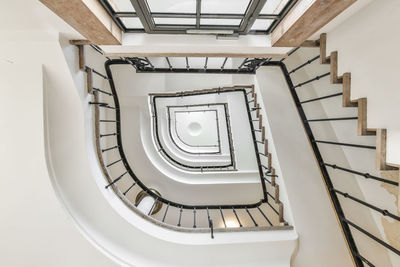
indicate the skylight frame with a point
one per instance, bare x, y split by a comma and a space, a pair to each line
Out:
143, 12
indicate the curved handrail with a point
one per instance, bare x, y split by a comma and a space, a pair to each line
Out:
157, 137
112, 183
120, 148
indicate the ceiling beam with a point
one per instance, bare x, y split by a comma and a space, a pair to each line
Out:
306, 18
88, 18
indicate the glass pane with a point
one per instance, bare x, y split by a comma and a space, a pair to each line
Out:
273, 6
178, 21
121, 5
224, 6
234, 22
132, 23
168, 6
262, 24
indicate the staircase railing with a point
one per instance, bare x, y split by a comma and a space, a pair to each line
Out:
246, 215
334, 192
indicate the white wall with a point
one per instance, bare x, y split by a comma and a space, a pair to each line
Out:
367, 44
358, 159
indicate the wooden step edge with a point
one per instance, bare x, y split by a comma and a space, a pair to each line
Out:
273, 178
323, 59
277, 193
381, 146
333, 58
346, 100
266, 147
89, 80
260, 121
263, 133
258, 110
280, 212
362, 118
255, 100
269, 161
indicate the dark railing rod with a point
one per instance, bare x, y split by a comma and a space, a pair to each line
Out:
108, 121
127, 190
180, 217
334, 119
98, 73
383, 212
248, 102
205, 64
271, 175
365, 175
105, 135
304, 64
262, 154
194, 217
112, 163
148, 61
165, 213
223, 64
98, 103
169, 63
371, 236
237, 218
344, 144
365, 260
101, 104
266, 218
268, 181
210, 224
222, 216
110, 148
320, 98
311, 80
152, 207
260, 142
116, 180
244, 61
251, 217
101, 91
272, 207
265, 60
254, 109
291, 52
265, 167
273, 198
187, 63
257, 130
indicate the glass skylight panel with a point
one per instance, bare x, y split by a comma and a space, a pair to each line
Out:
121, 5
262, 24
230, 22
132, 23
273, 6
224, 6
172, 6
177, 21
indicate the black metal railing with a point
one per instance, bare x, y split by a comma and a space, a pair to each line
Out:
259, 215
169, 157
247, 66
334, 192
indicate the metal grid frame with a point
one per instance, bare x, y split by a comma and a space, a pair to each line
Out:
143, 12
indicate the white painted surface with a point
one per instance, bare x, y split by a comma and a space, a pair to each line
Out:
368, 49
320, 239
358, 159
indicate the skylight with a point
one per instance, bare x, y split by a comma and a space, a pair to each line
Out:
187, 16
